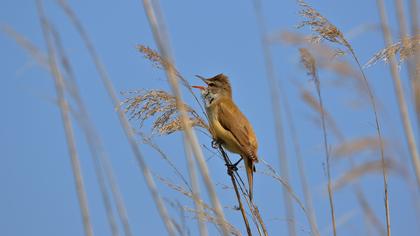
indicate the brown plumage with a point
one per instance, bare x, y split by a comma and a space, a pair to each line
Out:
228, 125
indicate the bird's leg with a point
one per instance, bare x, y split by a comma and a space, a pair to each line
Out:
215, 144
236, 163
233, 167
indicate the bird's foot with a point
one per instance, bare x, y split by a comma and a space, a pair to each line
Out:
231, 168
215, 144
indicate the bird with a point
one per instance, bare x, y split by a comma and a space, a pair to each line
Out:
228, 125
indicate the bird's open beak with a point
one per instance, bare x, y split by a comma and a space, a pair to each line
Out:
200, 87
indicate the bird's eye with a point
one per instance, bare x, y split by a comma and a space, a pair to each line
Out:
211, 84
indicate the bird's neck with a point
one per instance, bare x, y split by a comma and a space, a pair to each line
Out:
210, 99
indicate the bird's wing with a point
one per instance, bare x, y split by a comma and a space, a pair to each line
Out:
232, 119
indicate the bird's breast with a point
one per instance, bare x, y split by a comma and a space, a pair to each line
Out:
220, 133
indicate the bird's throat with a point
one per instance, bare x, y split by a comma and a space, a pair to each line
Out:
209, 98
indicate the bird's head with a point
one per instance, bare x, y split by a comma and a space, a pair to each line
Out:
217, 86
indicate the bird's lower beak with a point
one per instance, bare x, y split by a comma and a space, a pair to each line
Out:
199, 87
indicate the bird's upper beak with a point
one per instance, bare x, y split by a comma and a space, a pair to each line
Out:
203, 79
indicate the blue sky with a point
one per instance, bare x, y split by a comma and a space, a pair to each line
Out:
38, 195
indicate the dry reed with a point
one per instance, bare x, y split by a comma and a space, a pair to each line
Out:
399, 92
415, 73
309, 63
320, 25
366, 168
346, 148
194, 188
32, 50
325, 30
161, 38
170, 115
404, 49
301, 167
312, 102
328, 58
271, 172
355, 146
196, 191
121, 116
93, 140
369, 213
65, 115
160, 63
274, 87
208, 214
411, 64
142, 105
96, 148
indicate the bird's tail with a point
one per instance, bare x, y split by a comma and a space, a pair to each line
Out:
250, 168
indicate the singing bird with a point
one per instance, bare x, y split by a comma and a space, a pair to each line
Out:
228, 126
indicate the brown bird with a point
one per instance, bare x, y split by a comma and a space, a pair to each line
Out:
228, 126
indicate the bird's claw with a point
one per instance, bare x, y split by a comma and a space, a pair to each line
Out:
215, 144
231, 168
